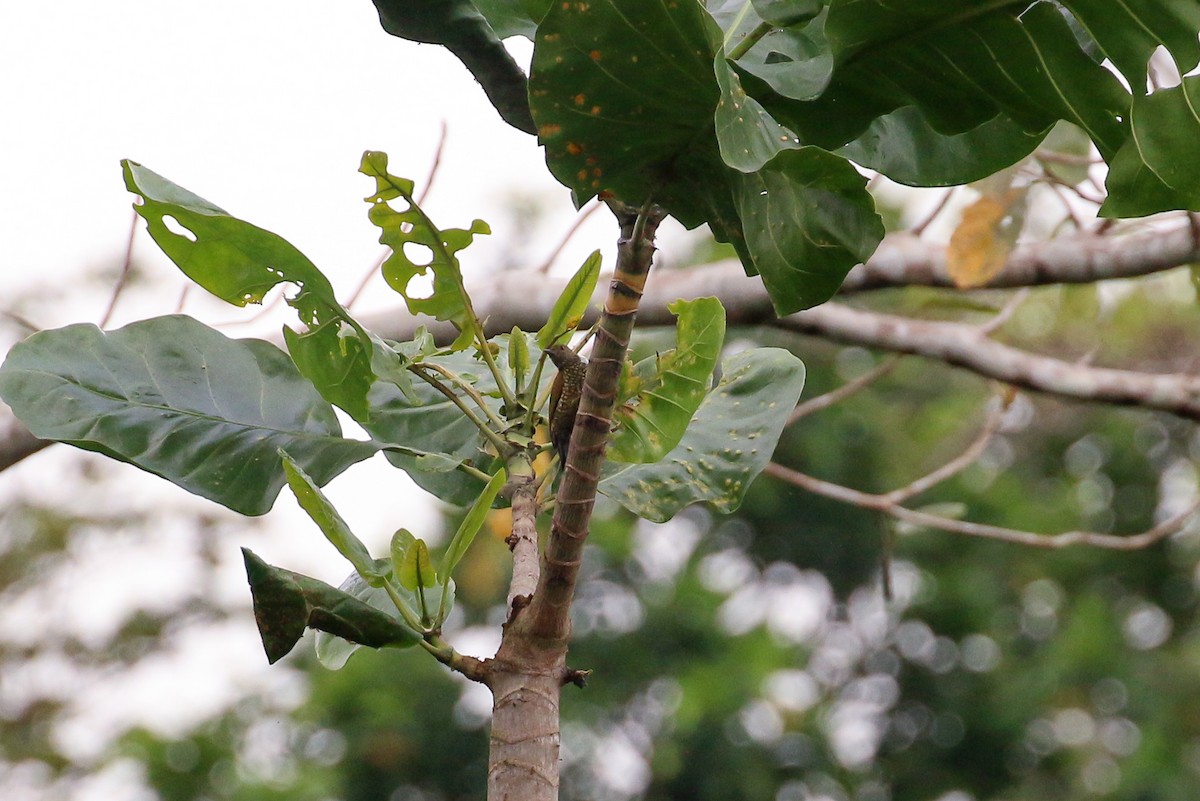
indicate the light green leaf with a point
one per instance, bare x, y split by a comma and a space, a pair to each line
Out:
652, 423
518, 356
728, 443
571, 304
748, 136
418, 248
327, 518
416, 570
471, 524
180, 400
333, 651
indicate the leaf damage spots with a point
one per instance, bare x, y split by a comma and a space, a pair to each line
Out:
595, 55
550, 130
580, 99
575, 149
595, 111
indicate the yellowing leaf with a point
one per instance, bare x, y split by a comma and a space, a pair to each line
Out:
980, 245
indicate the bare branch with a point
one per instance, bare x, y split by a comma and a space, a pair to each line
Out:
880, 503
844, 391
123, 278
966, 346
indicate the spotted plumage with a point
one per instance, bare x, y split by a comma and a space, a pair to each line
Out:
564, 396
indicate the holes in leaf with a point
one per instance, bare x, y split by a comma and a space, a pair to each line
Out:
176, 227
418, 254
419, 287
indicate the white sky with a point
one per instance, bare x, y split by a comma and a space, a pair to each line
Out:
263, 108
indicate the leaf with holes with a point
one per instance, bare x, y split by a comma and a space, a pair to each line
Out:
239, 263
408, 232
180, 400
728, 443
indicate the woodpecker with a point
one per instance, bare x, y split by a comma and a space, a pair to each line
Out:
564, 396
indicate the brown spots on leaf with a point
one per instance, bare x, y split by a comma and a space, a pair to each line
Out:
574, 149
595, 111
596, 171
581, 176
595, 55
549, 130
580, 99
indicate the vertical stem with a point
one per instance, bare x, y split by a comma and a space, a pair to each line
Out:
530, 667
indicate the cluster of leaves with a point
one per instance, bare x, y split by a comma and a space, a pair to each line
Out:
746, 114
234, 420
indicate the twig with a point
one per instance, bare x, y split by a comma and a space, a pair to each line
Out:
865, 500
123, 278
844, 391
920, 227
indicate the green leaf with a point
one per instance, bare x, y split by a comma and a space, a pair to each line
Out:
427, 421
620, 92
180, 400
1157, 169
333, 651
410, 230
459, 26
416, 570
787, 12
571, 304
748, 136
728, 443
903, 146
471, 524
518, 355
285, 603
1129, 32
239, 263
808, 219
653, 422
795, 60
402, 540
323, 513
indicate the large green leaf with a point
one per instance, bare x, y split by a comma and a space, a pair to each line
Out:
1158, 169
240, 262
808, 219
469, 34
286, 603
672, 385
428, 421
1129, 31
961, 62
178, 399
747, 135
728, 443
409, 231
904, 147
620, 91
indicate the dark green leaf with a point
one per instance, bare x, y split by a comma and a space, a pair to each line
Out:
285, 603
620, 91
333, 651
1129, 32
808, 219
459, 26
728, 443
178, 399
653, 422
903, 146
787, 12
428, 421
1157, 169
